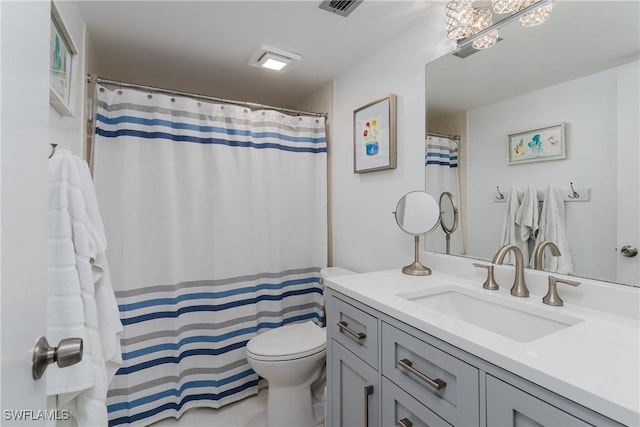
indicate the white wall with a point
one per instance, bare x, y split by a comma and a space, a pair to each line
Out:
24, 86
589, 107
365, 234
68, 132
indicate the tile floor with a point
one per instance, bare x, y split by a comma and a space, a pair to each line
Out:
250, 412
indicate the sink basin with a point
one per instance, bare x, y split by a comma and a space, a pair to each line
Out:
520, 323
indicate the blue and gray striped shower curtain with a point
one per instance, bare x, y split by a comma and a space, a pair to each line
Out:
441, 174
215, 217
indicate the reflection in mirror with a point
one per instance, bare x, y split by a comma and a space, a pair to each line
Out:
441, 166
579, 68
448, 217
417, 213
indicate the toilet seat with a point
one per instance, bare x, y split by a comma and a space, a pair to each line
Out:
288, 342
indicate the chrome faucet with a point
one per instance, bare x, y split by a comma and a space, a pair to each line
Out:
519, 288
539, 251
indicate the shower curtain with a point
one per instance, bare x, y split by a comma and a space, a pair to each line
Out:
215, 217
441, 165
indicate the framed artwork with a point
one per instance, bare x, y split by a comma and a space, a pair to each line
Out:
62, 52
547, 143
374, 136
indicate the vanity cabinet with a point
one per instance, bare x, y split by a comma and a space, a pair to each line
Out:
509, 406
356, 395
445, 384
383, 372
354, 362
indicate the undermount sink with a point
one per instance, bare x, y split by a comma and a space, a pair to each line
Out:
520, 323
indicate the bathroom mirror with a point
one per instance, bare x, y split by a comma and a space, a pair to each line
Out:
417, 213
448, 217
579, 68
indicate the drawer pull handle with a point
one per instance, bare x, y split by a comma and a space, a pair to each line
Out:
438, 384
368, 391
404, 423
344, 327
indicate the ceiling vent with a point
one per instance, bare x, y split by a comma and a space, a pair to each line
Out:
341, 7
468, 50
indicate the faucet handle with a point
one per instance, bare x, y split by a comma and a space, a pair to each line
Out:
552, 297
490, 283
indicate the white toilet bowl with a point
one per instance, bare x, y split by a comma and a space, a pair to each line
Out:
291, 358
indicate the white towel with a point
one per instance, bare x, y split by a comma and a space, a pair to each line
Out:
81, 301
511, 233
527, 218
553, 227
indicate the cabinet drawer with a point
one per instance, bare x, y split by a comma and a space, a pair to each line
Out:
401, 410
443, 383
355, 329
511, 407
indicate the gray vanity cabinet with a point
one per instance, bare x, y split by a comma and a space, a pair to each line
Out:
355, 394
400, 409
383, 372
440, 381
509, 406
356, 390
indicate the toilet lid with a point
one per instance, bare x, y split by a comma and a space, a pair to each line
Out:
289, 342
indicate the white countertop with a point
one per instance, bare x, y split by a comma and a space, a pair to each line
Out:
595, 362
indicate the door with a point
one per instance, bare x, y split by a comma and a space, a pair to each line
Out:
24, 148
355, 390
628, 267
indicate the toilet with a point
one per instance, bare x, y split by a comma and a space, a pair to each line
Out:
291, 358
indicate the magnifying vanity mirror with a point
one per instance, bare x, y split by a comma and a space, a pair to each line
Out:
448, 217
580, 68
417, 213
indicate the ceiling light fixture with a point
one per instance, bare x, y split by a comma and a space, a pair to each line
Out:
471, 25
273, 58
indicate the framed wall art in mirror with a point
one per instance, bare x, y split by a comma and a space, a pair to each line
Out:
374, 136
547, 143
62, 53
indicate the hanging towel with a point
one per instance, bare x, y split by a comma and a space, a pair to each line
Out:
81, 302
527, 218
511, 233
553, 227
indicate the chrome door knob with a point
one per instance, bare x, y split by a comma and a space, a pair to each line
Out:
69, 352
628, 250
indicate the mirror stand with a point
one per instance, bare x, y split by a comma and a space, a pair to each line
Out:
415, 268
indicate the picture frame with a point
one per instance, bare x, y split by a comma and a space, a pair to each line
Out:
537, 145
374, 136
62, 52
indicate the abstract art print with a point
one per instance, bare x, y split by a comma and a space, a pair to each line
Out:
547, 143
61, 55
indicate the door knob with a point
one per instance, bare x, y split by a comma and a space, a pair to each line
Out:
68, 352
628, 250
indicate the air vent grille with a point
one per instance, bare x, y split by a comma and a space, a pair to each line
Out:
340, 7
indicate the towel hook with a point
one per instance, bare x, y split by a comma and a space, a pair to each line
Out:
500, 196
574, 194
53, 149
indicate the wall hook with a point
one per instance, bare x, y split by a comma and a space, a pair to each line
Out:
574, 194
53, 149
500, 196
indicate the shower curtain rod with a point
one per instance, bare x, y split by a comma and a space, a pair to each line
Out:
100, 80
442, 135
